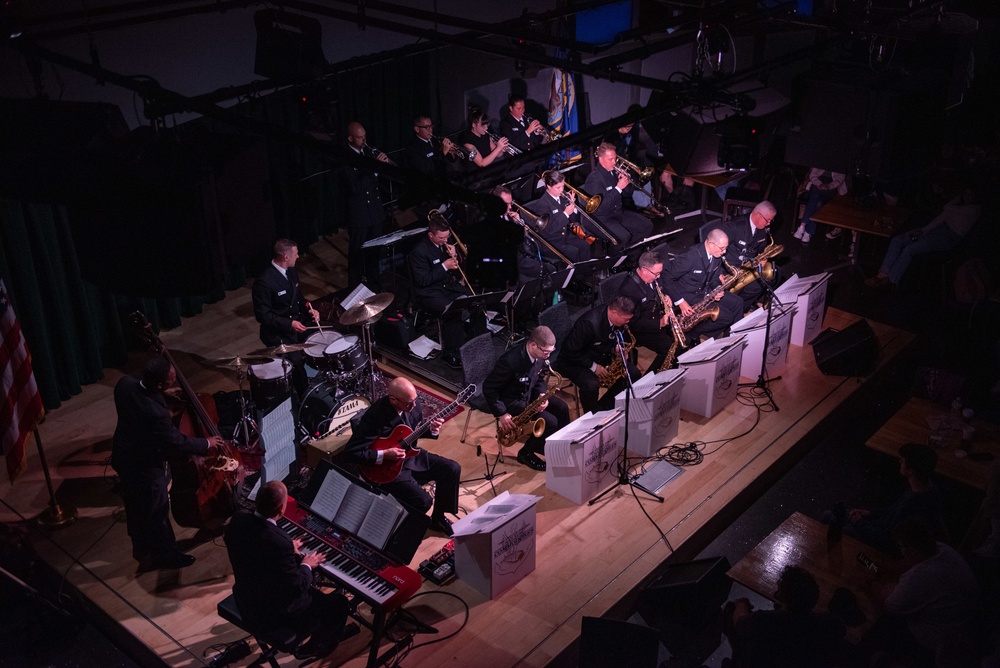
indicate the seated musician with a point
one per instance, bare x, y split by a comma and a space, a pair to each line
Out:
633, 143
422, 154
400, 407
517, 379
605, 180
591, 348
748, 237
477, 140
144, 438
531, 264
650, 324
274, 579
563, 214
280, 307
691, 277
436, 283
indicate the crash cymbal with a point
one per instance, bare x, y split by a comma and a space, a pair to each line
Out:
281, 349
365, 310
241, 360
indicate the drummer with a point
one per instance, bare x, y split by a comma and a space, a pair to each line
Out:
280, 308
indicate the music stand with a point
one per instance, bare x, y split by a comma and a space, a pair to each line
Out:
762, 380
524, 292
481, 301
389, 241
651, 240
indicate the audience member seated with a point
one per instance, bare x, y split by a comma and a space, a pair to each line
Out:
942, 234
792, 635
821, 186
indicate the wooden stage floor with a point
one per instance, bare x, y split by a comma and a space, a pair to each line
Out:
591, 559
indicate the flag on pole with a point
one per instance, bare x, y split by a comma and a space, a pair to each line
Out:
562, 111
20, 403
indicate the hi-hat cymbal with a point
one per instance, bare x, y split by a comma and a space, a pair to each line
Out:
241, 360
366, 309
281, 349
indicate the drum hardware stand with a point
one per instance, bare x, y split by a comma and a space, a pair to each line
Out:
246, 426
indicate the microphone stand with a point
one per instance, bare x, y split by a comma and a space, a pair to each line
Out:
762, 380
623, 477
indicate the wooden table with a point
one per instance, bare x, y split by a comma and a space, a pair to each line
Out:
910, 425
707, 182
801, 541
881, 220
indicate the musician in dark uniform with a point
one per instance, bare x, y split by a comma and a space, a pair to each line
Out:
748, 237
649, 324
365, 212
524, 135
144, 438
400, 407
274, 580
421, 154
691, 276
280, 307
436, 284
627, 226
562, 212
590, 348
634, 143
517, 379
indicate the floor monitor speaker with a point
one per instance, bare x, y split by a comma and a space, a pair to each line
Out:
852, 351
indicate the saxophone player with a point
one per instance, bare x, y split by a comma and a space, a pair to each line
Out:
650, 324
748, 237
693, 275
591, 347
519, 378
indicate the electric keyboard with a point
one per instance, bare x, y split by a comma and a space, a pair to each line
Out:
351, 562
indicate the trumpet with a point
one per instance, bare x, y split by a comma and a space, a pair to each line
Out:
376, 153
591, 204
550, 134
510, 149
527, 228
456, 150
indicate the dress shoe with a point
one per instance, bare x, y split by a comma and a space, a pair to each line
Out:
442, 524
531, 460
877, 282
174, 560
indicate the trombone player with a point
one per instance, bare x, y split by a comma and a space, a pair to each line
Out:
611, 184
562, 213
517, 381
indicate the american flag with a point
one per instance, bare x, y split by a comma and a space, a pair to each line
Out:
20, 403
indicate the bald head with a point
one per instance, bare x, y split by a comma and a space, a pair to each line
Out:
402, 394
356, 135
271, 498
716, 243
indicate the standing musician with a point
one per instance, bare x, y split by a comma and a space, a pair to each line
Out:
436, 285
650, 324
627, 226
562, 212
274, 580
477, 139
590, 349
400, 406
365, 213
748, 237
144, 438
420, 155
517, 379
524, 135
279, 307
691, 276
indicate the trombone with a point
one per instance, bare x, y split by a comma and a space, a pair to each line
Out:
644, 175
590, 204
527, 228
376, 153
452, 252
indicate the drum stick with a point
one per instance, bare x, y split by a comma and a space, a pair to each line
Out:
318, 326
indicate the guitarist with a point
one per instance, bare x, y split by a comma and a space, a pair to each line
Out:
400, 407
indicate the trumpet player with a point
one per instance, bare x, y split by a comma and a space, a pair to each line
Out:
562, 213
434, 269
650, 324
524, 135
519, 378
421, 155
605, 180
748, 237
476, 139
365, 213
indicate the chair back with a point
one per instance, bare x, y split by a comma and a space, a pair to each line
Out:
478, 356
556, 318
610, 287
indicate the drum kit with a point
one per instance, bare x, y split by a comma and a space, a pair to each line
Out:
346, 383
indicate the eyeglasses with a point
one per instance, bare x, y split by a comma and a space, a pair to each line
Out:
424, 127
721, 248
409, 403
652, 273
545, 351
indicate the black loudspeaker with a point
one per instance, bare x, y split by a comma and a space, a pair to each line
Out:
289, 46
852, 351
687, 594
609, 643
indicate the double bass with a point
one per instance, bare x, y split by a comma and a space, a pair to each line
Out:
204, 489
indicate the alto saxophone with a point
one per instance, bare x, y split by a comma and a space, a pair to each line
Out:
616, 369
749, 271
508, 437
675, 326
707, 308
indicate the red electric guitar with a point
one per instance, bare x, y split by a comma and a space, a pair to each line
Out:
406, 438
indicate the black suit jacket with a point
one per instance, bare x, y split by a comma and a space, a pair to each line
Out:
591, 341
277, 301
691, 275
602, 182
516, 135
745, 241
362, 197
555, 230
377, 422
648, 307
514, 381
272, 586
424, 157
145, 435
430, 278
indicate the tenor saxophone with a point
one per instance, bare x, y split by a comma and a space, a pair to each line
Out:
507, 438
616, 369
707, 307
749, 271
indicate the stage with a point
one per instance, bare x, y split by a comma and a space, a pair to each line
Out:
591, 560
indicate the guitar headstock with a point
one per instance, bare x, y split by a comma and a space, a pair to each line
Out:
466, 394
144, 329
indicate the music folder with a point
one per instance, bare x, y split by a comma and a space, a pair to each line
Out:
713, 374
580, 457
809, 294
654, 412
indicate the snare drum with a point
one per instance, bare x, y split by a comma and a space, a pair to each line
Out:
269, 384
346, 356
326, 410
317, 344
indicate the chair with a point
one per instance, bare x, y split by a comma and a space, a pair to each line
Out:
739, 202
610, 287
270, 645
556, 318
478, 356
418, 311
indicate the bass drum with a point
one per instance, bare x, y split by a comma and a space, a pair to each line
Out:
326, 409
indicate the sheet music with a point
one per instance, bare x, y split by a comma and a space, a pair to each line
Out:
330, 495
379, 522
357, 294
423, 347
353, 510
370, 516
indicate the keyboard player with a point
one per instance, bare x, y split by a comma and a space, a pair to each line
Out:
273, 579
